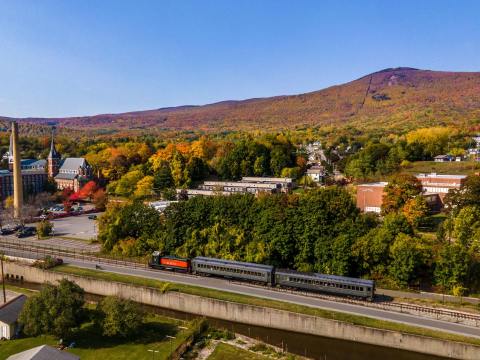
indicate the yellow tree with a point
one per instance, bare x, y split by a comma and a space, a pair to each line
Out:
144, 187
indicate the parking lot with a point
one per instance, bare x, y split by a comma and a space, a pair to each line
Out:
78, 227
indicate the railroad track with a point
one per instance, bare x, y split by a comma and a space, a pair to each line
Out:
16, 245
439, 314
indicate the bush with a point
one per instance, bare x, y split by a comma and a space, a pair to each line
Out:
119, 317
47, 263
44, 228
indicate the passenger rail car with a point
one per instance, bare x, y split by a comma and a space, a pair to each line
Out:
267, 275
233, 269
338, 285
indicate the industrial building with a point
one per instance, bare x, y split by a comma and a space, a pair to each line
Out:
434, 186
248, 185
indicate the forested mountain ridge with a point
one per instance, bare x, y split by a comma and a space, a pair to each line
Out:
400, 98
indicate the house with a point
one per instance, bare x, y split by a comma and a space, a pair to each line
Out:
444, 158
9, 313
316, 173
44, 352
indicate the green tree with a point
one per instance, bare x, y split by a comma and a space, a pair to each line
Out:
55, 310
128, 182
119, 317
132, 220
408, 257
452, 266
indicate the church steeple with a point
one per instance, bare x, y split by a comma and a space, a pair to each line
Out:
54, 157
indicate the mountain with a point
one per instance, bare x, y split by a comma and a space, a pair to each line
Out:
399, 98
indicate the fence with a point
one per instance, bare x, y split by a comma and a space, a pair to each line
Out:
40, 251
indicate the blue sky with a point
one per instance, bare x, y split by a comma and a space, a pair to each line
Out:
84, 57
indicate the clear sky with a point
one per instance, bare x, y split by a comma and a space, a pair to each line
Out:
84, 57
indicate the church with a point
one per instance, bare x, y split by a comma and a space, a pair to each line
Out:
69, 172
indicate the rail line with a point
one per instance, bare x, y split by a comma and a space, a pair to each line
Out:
17, 245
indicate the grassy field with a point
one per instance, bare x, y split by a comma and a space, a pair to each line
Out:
91, 345
452, 167
245, 299
229, 352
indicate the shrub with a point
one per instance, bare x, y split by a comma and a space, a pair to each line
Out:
44, 228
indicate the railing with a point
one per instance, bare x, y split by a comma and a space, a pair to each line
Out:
40, 251
457, 316
16, 247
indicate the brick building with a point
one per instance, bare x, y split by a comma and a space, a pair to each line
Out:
370, 196
440, 184
434, 187
68, 173
33, 182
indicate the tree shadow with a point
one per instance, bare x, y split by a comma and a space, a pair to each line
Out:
90, 336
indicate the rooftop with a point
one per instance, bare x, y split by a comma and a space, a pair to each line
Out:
72, 164
441, 176
10, 311
379, 184
43, 352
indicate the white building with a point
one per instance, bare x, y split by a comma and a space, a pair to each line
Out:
160, 206
9, 313
316, 173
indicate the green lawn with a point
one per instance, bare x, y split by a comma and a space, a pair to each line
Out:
245, 299
229, 352
453, 167
91, 345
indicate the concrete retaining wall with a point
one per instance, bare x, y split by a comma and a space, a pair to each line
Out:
254, 315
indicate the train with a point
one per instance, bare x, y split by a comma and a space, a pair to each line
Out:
267, 275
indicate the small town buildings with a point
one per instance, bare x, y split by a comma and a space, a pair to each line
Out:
67, 173
248, 185
160, 206
287, 184
241, 186
9, 313
444, 158
370, 196
44, 352
316, 173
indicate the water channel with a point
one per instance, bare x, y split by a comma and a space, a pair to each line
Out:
316, 347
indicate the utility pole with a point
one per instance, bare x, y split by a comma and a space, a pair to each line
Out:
3, 280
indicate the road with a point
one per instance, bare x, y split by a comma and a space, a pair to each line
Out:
245, 289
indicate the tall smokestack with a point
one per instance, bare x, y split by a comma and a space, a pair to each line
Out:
17, 174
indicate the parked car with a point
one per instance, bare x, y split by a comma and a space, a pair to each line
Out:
26, 232
6, 231
92, 217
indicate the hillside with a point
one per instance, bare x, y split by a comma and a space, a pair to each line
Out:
392, 98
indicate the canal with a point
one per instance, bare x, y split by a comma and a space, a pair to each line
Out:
315, 347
